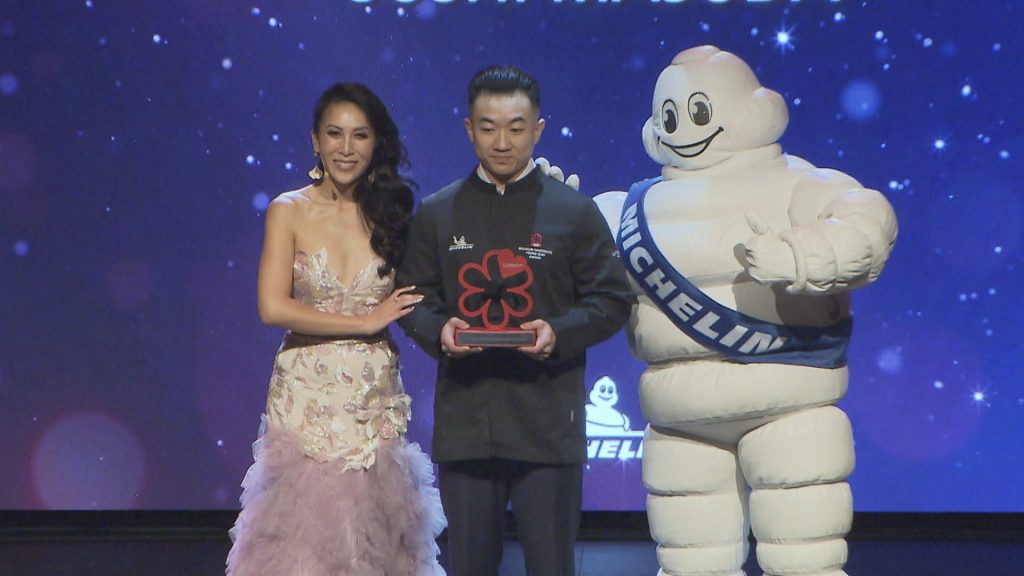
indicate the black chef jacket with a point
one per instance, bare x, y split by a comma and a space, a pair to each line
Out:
500, 403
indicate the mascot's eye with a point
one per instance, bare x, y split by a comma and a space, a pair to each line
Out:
699, 108
669, 116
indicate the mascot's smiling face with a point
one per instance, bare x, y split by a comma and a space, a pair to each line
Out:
708, 105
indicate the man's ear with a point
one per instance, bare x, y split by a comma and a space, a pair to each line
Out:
469, 128
538, 130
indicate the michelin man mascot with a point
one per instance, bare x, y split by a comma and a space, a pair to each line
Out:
743, 258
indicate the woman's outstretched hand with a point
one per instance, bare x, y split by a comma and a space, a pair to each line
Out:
397, 304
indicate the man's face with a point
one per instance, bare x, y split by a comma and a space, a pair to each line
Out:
503, 128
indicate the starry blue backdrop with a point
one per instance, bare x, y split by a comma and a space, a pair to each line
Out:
141, 142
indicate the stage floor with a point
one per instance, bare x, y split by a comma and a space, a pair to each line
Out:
201, 557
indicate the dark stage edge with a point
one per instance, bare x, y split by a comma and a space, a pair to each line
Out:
70, 525
196, 543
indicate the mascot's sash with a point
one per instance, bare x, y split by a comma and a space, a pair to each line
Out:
733, 334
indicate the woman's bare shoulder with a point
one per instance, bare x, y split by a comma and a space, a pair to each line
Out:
292, 198
289, 204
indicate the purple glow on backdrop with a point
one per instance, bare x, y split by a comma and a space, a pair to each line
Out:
18, 163
935, 402
130, 284
131, 220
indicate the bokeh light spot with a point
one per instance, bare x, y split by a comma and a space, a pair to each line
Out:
8, 83
426, 10
88, 461
860, 100
890, 360
260, 201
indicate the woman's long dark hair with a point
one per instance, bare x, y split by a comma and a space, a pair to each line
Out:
385, 202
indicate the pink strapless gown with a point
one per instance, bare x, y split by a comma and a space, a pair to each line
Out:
335, 488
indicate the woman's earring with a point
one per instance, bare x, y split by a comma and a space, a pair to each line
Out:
372, 176
317, 173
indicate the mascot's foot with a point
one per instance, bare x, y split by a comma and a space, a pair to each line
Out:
662, 572
831, 573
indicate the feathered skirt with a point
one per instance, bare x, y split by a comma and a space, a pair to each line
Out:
301, 517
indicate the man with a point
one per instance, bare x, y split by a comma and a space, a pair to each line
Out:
509, 422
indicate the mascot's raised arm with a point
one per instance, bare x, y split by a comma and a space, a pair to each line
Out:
743, 258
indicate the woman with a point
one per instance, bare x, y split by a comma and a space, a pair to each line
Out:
335, 488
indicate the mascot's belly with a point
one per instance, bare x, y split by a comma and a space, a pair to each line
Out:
703, 233
707, 390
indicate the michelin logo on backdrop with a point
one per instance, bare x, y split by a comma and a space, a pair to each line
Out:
609, 436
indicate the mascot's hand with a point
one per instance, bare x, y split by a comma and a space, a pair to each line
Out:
769, 259
573, 181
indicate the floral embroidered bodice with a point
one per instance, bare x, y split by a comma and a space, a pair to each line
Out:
341, 395
315, 284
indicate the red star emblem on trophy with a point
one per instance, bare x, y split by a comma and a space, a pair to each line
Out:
496, 292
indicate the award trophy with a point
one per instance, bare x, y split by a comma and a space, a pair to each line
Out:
496, 291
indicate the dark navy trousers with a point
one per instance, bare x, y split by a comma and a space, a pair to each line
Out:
546, 501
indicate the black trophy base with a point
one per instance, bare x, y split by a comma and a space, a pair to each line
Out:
504, 338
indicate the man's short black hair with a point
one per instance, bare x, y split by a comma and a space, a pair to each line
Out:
504, 80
